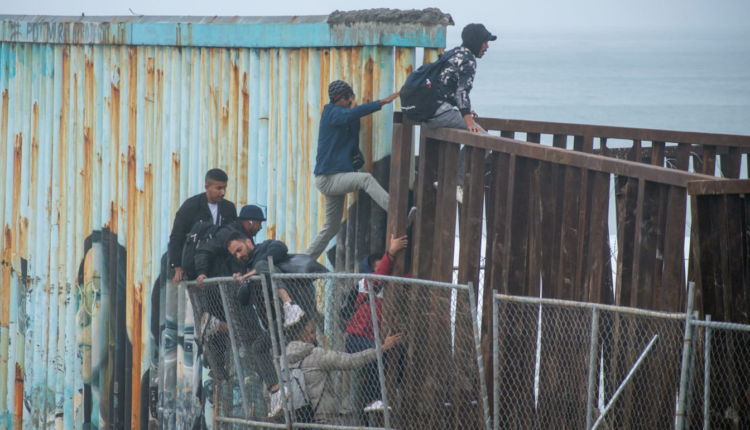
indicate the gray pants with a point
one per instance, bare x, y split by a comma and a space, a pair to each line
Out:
335, 187
448, 117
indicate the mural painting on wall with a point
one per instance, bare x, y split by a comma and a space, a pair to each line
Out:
104, 348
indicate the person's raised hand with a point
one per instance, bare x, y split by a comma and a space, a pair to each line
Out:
397, 244
389, 98
391, 340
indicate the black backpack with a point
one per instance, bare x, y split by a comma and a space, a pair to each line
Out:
202, 232
419, 95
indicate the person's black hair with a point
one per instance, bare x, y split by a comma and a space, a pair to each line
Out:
297, 330
216, 175
372, 258
235, 235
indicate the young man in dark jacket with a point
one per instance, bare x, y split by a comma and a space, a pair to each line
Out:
209, 206
339, 158
211, 257
455, 81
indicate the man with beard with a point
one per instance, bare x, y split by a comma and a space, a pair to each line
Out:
252, 259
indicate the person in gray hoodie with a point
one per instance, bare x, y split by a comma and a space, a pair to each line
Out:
317, 363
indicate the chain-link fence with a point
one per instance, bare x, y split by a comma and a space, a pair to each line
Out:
719, 370
360, 351
572, 365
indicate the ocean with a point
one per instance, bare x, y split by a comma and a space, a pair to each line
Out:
673, 81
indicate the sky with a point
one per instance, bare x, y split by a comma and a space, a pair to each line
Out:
500, 16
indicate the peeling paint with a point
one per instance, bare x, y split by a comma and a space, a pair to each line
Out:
100, 145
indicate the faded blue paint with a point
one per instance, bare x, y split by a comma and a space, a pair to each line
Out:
190, 117
236, 32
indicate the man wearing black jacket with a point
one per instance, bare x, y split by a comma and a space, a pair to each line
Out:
211, 258
209, 206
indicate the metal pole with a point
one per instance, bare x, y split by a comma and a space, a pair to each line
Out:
235, 350
687, 345
379, 352
275, 345
625, 382
593, 356
691, 373
496, 362
480, 363
286, 378
707, 377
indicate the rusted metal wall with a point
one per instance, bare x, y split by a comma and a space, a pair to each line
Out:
107, 125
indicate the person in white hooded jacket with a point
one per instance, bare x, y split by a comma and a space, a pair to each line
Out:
317, 363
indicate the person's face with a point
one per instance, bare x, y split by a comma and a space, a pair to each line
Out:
309, 333
484, 48
241, 250
346, 101
254, 226
215, 191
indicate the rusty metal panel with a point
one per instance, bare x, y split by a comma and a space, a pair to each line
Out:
107, 125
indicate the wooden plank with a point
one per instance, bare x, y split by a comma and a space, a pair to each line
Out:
533, 276
518, 237
626, 194
584, 144
569, 234
496, 260
565, 157
738, 186
731, 163
673, 274
709, 160
398, 188
420, 381
552, 179
584, 215
616, 132
732, 262
473, 206
682, 162
657, 153
533, 137
644, 257
597, 235
746, 258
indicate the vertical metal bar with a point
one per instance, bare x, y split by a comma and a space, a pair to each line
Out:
593, 357
235, 350
707, 377
379, 351
282, 344
496, 361
625, 382
691, 377
680, 417
275, 343
480, 362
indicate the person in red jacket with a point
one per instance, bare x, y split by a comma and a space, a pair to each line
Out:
360, 334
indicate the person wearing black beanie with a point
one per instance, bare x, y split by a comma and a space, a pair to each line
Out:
454, 83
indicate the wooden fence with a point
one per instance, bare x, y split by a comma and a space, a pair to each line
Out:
545, 210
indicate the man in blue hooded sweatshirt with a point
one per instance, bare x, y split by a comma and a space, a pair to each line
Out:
339, 159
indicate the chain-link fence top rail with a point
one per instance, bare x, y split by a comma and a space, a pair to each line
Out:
547, 375
428, 380
720, 383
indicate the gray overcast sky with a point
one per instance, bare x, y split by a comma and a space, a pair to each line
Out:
500, 16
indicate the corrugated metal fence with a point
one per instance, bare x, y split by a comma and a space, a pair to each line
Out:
107, 125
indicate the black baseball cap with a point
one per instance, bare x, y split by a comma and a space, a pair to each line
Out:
477, 32
251, 212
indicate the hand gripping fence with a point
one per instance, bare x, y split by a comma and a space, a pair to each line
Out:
358, 375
